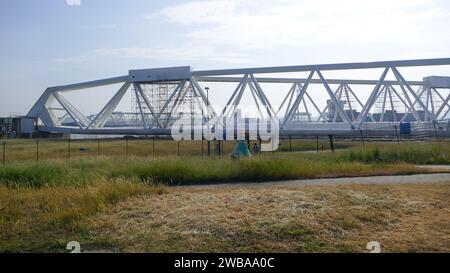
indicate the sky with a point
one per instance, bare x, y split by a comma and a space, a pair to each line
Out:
56, 42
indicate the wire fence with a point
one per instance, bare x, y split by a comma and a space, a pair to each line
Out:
14, 150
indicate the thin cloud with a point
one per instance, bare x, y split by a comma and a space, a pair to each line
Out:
262, 24
181, 53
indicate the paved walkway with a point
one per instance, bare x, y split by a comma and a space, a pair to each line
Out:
392, 179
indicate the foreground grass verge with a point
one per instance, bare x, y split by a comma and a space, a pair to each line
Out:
403, 218
43, 205
45, 219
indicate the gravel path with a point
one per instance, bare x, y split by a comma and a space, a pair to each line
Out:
393, 179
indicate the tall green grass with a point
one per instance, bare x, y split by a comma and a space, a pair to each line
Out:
192, 170
196, 171
407, 153
178, 171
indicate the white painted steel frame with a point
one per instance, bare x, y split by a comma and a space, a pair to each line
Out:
296, 96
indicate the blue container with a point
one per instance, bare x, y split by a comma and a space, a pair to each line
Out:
405, 128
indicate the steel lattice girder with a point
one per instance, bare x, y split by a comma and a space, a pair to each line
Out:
187, 81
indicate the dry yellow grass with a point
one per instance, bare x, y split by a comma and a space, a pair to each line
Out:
45, 219
339, 218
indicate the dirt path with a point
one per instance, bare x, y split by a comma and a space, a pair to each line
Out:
393, 179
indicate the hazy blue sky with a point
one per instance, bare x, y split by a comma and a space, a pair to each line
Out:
49, 42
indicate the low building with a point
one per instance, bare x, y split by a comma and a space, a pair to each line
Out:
17, 126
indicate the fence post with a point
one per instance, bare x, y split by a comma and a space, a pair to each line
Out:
37, 149
396, 134
4, 152
317, 143
68, 147
290, 144
209, 148
331, 143
153, 147
435, 131
362, 138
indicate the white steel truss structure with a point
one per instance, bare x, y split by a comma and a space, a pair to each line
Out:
389, 102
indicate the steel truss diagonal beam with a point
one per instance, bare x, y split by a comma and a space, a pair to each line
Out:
254, 95
106, 112
204, 98
288, 118
82, 118
445, 103
371, 100
314, 104
392, 103
337, 103
322, 113
358, 100
138, 88
71, 110
402, 83
178, 89
263, 98
141, 111
232, 101
196, 94
385, 96
289, 96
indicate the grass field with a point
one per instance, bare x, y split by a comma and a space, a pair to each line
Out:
95, 200
19, 150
